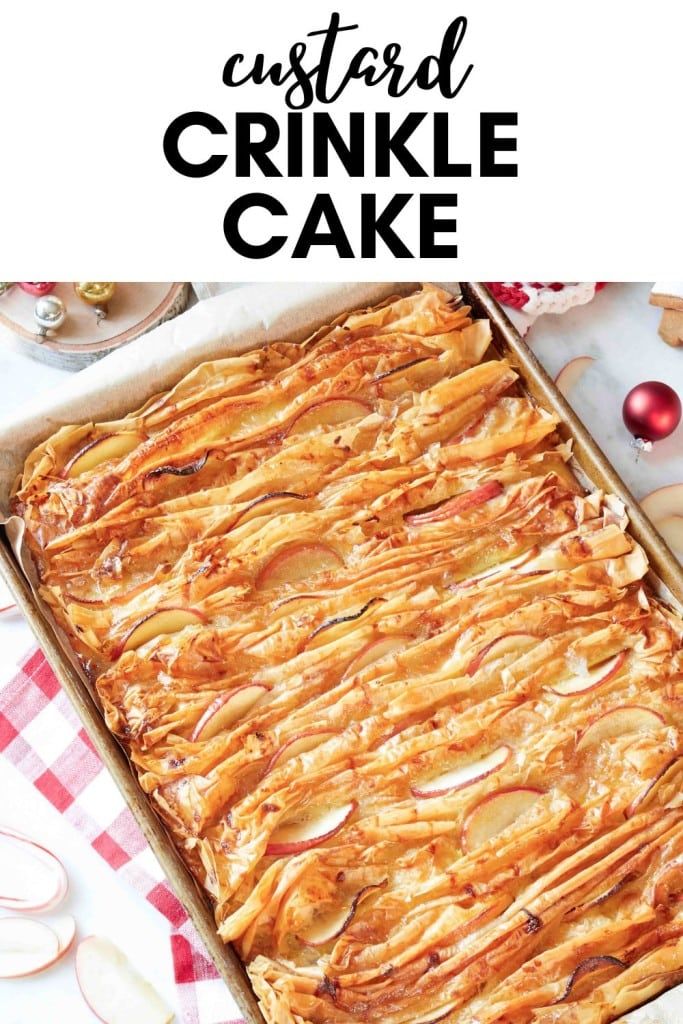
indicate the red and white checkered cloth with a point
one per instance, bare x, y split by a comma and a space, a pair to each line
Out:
40, 734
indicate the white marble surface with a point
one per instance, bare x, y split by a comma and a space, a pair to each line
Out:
619, 329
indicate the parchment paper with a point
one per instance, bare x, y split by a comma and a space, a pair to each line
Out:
225, 325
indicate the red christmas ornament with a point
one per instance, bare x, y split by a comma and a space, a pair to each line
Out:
37, 288
652, 411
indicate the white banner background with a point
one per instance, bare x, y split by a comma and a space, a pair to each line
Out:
88, 91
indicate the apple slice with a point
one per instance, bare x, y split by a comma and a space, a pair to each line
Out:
296, 836
102, 449
463, 775
225, 710
330, 926
376, 649
572, 372
506, 643
329, 413
495, 813
595, 677
27, 947
457, 505
619, 721
651, 787
495, 570
591, 965
113, 989
667, 888
664, 502
299, 745
31, 878
165, 620
671, 529
297, 562
64, 928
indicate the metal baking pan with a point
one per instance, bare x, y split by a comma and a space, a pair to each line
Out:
592, 465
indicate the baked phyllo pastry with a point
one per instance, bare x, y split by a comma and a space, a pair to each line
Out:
392, 679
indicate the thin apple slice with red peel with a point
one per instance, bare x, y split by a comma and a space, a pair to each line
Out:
27, 946
629, 718
300, 745
376, 649
163, 621
667, 886
297, 562
671, 529
457, 505
330, 926
495, 813
595, 677
113, 989
572, 372
227, 709
496, 570
297, 836
102, 449
507, 643
648, 792
464, 775
32, 879
663, 502
64, 928
591, 965
331, 412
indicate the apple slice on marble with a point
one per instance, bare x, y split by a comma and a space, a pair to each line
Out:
227, 709
103, 449
495, 813
464, 775
32, 878
113, 989
297, 562
619, 721
296, 836
572, 372
663, 502
27, 946
671, 529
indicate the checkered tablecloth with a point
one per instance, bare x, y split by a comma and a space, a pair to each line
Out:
40, 735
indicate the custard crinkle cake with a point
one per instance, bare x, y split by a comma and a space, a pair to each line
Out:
392, 680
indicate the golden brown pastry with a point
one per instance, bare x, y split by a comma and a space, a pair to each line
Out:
392, 680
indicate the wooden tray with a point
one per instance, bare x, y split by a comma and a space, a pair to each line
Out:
135, 309
592, 464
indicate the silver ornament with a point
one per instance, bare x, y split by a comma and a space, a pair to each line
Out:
49, 314
5, 286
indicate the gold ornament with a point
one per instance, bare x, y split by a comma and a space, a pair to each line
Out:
96, 294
